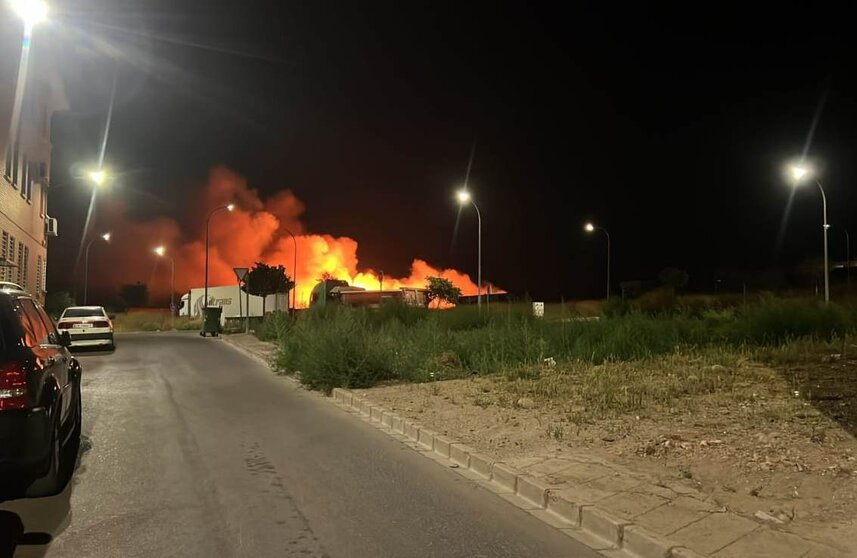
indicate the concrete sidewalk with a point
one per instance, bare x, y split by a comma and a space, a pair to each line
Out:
620, 513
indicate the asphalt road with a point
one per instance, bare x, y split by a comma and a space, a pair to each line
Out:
193, 449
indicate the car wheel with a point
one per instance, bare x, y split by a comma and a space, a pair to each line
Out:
51, 483
72, 448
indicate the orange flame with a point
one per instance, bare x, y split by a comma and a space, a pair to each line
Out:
258, 230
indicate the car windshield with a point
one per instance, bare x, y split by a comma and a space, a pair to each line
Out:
83, 313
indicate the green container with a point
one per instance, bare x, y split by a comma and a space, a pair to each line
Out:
211, 322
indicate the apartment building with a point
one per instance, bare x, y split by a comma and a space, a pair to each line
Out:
25, 226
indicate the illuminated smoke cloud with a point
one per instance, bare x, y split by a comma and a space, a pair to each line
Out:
255, 231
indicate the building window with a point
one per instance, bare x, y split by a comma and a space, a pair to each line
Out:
16, 151
26, 187
8, 169
43, 199
23, 253
10, 258
5, 259
39, 274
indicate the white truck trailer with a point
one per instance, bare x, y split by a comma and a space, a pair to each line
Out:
234, 302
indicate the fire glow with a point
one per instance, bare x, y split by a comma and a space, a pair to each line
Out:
255, 231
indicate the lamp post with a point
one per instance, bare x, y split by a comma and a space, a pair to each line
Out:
106, 238
590, 228
294, 273
31, 13
228, 207
800, 173
161, 251
847, 257
464, 197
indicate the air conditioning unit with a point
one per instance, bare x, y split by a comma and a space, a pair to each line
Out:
50, 226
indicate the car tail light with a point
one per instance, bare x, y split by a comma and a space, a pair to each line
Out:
13, 386
101, 324
66, 325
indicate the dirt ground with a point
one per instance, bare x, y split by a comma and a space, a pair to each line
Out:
778, 440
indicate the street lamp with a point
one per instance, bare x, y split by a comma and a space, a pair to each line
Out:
97, 177
30, 11
106, 238
590, 228
800, 173
227, 207
847, 257
294, 273
464, 197
161, 251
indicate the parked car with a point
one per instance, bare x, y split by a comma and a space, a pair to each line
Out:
40, 401
88, 326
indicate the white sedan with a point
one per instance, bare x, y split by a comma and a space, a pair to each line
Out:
88, 326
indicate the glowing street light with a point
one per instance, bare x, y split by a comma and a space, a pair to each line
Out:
228, 207
97, 177
106, 238
464, 197
161, 251
800, 174
31, 12
590, 228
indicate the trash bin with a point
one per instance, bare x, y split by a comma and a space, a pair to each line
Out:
211, 322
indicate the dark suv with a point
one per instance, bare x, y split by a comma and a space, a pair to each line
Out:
40, 405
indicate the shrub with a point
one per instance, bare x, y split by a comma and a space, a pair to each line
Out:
333, 346
274, 326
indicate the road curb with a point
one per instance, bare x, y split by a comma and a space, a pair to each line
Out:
587, 523
555, 506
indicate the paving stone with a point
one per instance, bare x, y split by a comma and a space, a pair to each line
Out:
583, 494
579, 472
629, 505
647, 488
766, 543
713, 532
819, 551
550, 466
523, 463
674, 515
615, 483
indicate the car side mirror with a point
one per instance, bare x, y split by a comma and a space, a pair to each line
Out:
65, 339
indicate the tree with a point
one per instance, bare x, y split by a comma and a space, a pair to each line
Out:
441, 289
673, 277
56, 302
134, 296
264, 280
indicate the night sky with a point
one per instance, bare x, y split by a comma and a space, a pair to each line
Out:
668, 128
